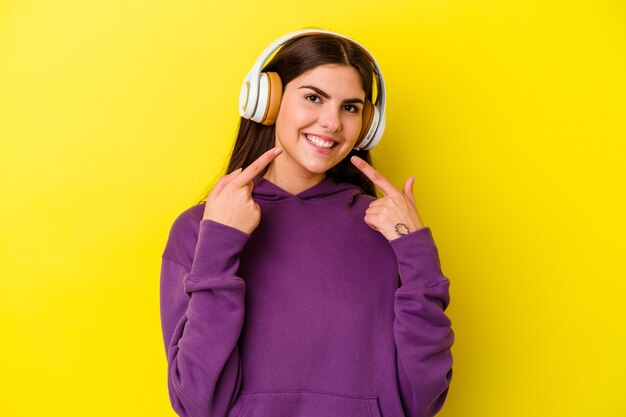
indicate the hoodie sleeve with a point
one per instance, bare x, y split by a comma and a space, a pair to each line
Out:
202, 314
422, 331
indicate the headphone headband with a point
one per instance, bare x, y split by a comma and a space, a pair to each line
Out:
251, 87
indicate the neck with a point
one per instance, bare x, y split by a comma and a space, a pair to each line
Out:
292, 182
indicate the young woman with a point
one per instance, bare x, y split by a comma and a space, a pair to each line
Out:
294, 291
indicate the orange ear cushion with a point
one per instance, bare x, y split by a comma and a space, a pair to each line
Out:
368, 116
275, 96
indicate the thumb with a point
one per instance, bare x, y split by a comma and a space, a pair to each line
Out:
408, 189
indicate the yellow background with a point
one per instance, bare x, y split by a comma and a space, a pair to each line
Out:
116, 115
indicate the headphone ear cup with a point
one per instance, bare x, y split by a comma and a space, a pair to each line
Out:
366, 125
275, 95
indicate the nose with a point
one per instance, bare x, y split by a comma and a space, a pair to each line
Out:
329, 119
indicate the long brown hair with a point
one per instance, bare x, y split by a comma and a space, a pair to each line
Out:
296, 57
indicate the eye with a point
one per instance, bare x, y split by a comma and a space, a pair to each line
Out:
351, 108
312, 98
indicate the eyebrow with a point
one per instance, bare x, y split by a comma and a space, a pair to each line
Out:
325, 95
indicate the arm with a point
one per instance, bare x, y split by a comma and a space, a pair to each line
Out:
202, 314
422, 331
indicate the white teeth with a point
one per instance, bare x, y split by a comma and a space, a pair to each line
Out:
319, 141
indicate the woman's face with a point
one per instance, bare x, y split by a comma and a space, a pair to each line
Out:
319, 121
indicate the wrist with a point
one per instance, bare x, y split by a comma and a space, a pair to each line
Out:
402, 229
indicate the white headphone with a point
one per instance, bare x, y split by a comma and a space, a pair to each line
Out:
261, 93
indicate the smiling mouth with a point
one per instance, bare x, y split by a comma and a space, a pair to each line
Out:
319, 142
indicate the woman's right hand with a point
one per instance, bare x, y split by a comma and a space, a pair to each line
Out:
230, 202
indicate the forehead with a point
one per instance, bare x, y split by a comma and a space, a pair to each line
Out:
337, 79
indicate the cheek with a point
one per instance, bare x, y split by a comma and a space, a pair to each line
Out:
355, 128
293, 115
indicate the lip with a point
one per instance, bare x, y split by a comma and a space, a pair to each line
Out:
324, 151
325, 137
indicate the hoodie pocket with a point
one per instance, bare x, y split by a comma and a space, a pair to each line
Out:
306, 404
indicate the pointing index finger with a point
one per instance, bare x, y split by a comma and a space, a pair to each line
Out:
377, 178
245, 176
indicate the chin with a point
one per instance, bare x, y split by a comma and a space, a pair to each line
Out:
318, 170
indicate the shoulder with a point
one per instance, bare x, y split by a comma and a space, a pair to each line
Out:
183, 235
362, 201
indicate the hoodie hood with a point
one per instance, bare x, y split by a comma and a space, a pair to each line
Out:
266, 190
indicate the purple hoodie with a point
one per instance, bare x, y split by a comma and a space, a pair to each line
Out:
314, 314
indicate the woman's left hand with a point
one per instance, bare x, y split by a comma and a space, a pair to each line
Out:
391, 213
